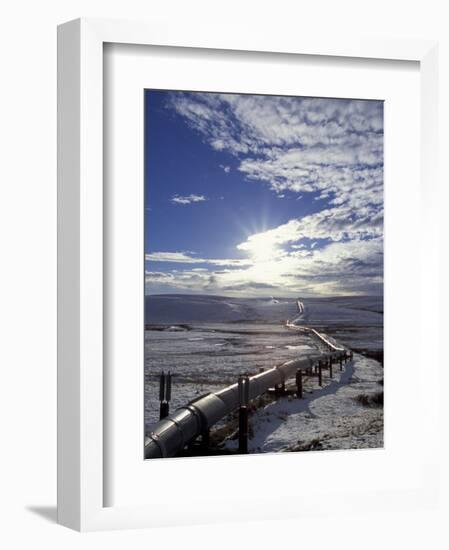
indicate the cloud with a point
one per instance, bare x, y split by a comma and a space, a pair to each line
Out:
248, 287
158, 276
329, 148
188, 258
177, 199
338, 268
334, 224
263, 122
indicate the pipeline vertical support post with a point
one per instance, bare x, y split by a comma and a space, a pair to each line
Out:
163, 405
168, 387
341, 362
164, 394
320, 373
243, 389
330, 368
161, 386
163, 410
299, 388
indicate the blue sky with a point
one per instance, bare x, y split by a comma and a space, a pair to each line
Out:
261, 195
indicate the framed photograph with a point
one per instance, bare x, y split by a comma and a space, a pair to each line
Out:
246, 259
263, 273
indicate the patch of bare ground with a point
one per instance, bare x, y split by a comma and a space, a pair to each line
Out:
353, 434
371, 400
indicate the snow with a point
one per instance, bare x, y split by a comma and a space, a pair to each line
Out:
327, 418
178, 308
207, 341
339, 311
209, 357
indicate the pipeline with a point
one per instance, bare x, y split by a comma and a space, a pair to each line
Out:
307, 330
173, 433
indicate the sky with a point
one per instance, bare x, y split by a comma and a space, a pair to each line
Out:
252, 195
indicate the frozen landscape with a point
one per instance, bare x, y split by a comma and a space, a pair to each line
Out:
207, 341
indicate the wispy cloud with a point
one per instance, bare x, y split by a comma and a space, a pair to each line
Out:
177, 199
334, 147
189, 258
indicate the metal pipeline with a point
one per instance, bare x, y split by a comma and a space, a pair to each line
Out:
325, 340
170, 435
318, 335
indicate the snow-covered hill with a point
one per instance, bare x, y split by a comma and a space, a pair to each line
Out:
178, 308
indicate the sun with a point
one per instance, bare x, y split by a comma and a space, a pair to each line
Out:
262, 250
261, 247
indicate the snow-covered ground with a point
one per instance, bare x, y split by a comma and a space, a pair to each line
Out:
209, 357
178, 308
207, 341
330, 417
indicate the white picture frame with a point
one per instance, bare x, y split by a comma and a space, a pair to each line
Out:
81, 387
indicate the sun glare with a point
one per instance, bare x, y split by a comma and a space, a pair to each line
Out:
259, 247
261, 251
